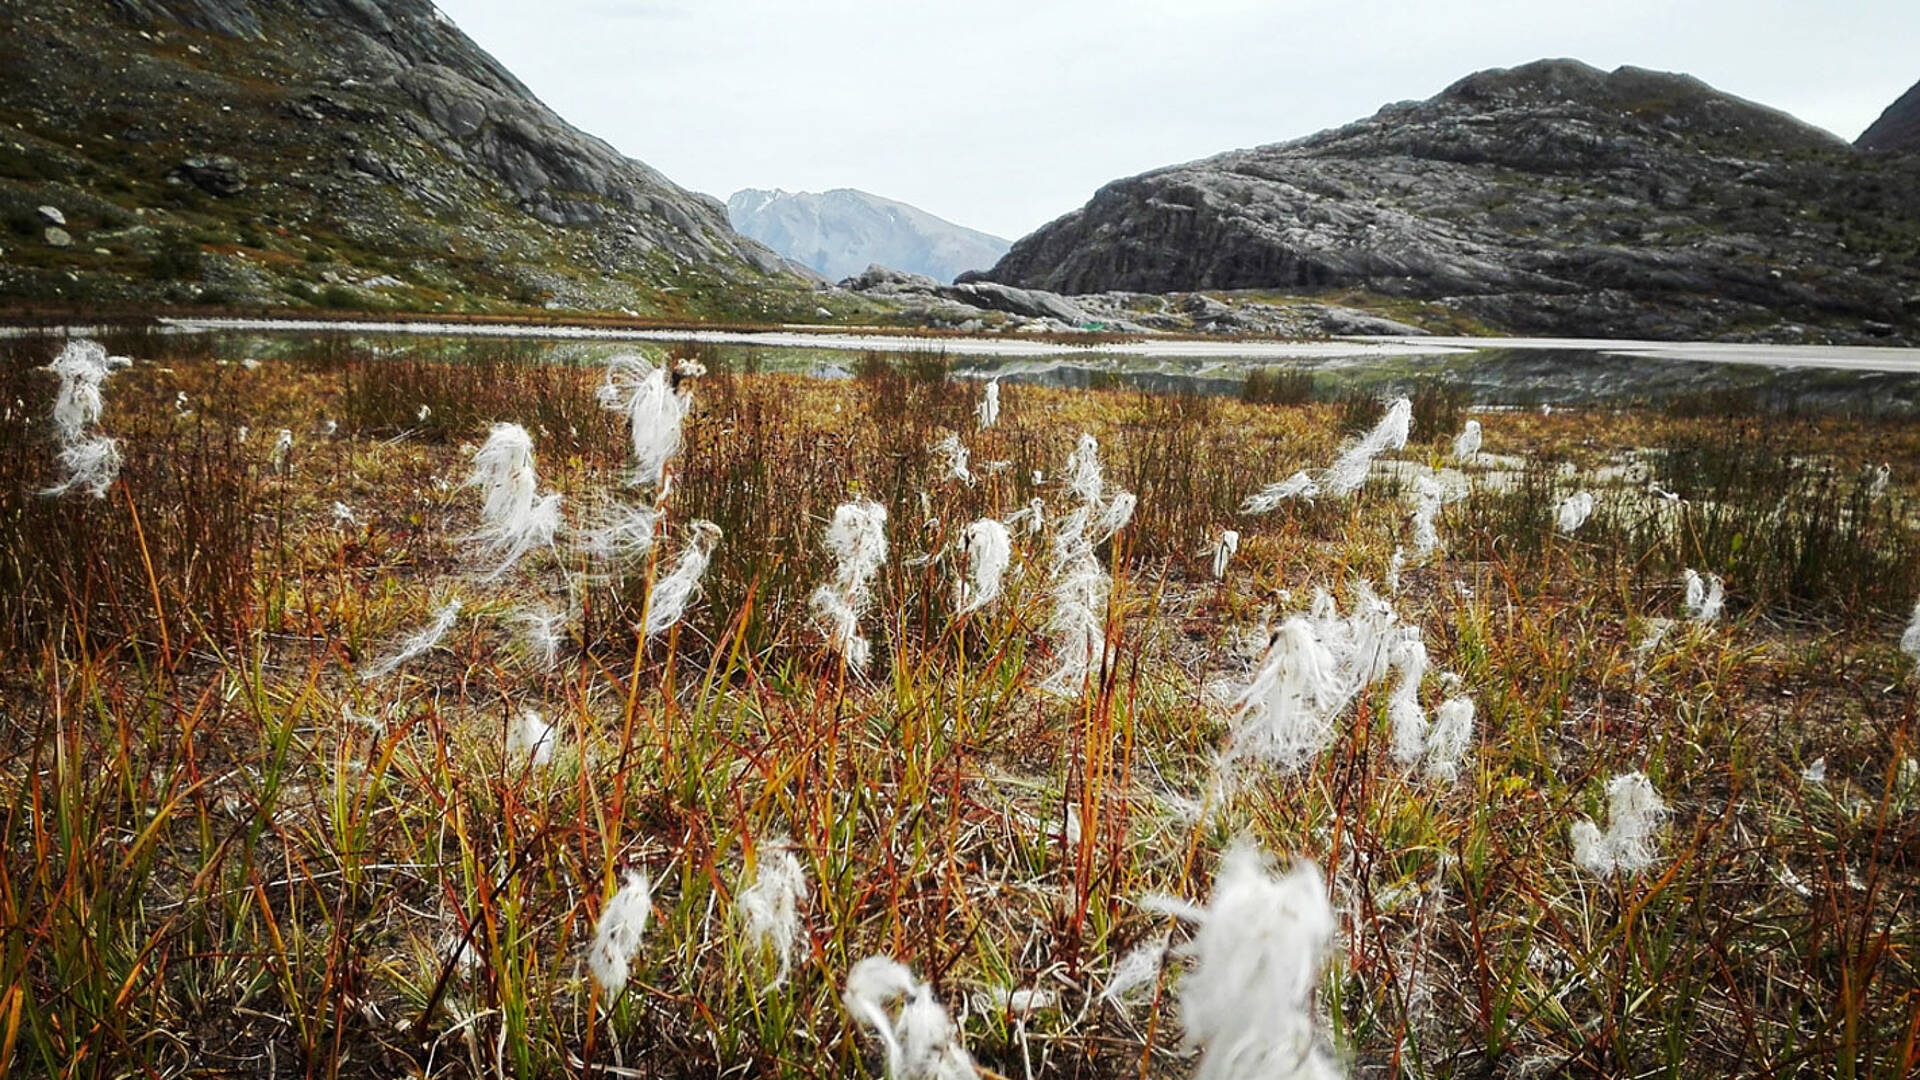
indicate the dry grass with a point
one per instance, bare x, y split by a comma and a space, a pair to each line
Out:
226, 854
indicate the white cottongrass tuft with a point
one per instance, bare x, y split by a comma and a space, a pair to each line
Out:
857, 540
1573, 512
82, 366
989, 409
672, 593
541, 633
1634, 811
91, 459
280, 459
1300, 485
1705, 598
417, 643
1080, 587
616, 938
1135, 973
953, 456
1408, 718
988, 549
1351, 468
769, 908
1815, 773
1467, 444
1224, 548
1259, 951
91, 462
530, 739
621, 533
1426, 498
1910, 638
1285, 715
655, 410
1033, 516
514, 518
1448, 738
1085, 478
920, 1039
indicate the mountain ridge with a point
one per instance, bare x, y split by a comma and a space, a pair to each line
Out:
841, 232
1548, 198
339, 152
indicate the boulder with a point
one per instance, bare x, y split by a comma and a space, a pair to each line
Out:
216, 174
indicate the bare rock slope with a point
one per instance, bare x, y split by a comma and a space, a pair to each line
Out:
353, 152
841, 232
1550, 198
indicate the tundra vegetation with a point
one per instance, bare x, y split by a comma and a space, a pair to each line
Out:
348, 733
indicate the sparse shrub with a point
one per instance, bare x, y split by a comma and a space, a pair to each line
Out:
1277, 386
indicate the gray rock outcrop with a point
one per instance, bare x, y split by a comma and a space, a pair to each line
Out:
1550, 198
1898, 128
368, 130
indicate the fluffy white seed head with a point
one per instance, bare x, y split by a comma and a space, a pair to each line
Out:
1032, 516
1114, 516
1136, 973
655, 410
1426, 498
1705, 597
769, 908
415, 644
1910, 638
530, 739
1285, 715
1300, 485
1224, 548
920, 1039
1449, 738
542, 632
1258, 954
857, 540
1355, 463
989, 408
1408, 719
91, 463
1077, 624
515, 518
1085, 478
1634, 812
672, 594
1573, 511
620, 534
1467, 444
952, 455
987, 548
82, 366
616, 937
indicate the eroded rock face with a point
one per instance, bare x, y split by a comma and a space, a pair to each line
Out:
1898, 128
1551, 198
379, 122
215, 174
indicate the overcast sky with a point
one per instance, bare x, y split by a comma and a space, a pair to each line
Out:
1003, 114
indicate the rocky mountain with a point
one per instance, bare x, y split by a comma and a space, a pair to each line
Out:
348, 153
1898, 128
842, 232
1551, 198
